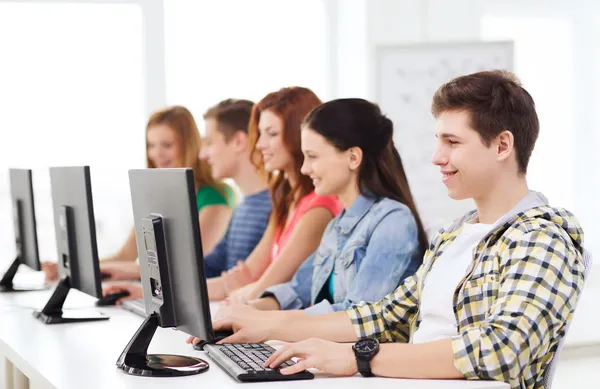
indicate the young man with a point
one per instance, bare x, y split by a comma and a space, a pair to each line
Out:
226, 149
496, 289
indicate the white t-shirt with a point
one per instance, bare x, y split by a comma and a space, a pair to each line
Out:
438, 320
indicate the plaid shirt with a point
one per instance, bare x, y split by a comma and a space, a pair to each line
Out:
512, 307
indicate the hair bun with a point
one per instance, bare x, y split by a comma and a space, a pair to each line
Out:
384, 133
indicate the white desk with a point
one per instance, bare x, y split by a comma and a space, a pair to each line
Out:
83, 355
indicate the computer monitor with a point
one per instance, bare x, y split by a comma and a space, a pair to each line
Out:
75, 232
171, 266
26, 243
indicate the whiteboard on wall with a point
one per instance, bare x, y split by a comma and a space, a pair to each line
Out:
407, 78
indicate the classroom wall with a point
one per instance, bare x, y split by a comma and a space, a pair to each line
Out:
360, 26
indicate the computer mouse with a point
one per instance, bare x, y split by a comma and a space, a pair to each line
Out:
111, 299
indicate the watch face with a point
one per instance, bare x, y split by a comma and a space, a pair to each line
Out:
366, 346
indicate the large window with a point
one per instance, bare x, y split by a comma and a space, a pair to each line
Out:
72, 94
243, 49
78, 78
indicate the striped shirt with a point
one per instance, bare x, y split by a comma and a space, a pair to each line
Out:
248, 223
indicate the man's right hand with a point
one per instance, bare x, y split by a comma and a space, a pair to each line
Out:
135, 290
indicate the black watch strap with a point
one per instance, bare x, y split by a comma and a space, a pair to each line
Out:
364, 367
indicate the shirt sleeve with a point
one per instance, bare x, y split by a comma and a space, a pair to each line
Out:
332, 203
389, 319
541, 277
216, 262
207, 195
294, 294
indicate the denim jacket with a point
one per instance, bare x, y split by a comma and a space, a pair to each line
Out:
371, 247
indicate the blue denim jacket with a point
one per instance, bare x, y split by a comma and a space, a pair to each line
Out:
371, 246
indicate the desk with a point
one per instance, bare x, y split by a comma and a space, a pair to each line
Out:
83, 355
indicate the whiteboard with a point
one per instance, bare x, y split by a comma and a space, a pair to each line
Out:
407, 77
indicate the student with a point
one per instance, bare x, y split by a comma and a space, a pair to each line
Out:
497, 287
173, 141
299, 215
378, 239
227, 150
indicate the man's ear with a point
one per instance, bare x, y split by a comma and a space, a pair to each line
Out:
504, 144
240, 140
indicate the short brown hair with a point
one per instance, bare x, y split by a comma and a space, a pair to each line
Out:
231, 115
496, 101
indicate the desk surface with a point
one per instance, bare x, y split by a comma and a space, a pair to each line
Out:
73, 356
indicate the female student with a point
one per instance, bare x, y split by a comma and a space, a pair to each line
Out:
299, 215
173, 141
378, 240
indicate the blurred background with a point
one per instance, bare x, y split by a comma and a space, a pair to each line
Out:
79, 78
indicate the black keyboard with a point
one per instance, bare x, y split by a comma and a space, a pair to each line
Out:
246, 362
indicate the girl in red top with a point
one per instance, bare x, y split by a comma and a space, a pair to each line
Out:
299, 216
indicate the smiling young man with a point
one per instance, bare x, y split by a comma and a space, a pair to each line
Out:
497, 287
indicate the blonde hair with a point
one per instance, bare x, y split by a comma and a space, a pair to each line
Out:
181, 120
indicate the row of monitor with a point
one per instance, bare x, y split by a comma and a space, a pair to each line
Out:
169, 251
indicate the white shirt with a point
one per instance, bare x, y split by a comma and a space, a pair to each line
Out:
436, 312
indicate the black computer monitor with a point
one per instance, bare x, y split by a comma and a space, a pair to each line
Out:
75, 232
26, 243
171, 266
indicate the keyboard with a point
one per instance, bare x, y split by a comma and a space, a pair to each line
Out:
136, 306
246, 362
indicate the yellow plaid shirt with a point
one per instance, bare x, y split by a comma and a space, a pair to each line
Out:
511, 308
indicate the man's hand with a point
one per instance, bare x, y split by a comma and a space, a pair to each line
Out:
135, 291
330, 357
51, 270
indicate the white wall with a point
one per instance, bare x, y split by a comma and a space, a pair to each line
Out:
363, 25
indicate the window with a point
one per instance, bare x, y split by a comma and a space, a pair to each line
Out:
72, 94
243, 49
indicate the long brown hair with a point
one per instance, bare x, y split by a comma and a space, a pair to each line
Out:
291, 105
347, 123
180, 120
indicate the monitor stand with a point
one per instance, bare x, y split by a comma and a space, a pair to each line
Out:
53, 313
7, 285
135, 359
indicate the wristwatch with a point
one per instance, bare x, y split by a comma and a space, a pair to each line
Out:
365, 350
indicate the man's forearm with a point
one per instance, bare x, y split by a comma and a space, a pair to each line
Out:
296, 325
432, 360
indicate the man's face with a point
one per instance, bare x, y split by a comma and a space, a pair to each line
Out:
468, 167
